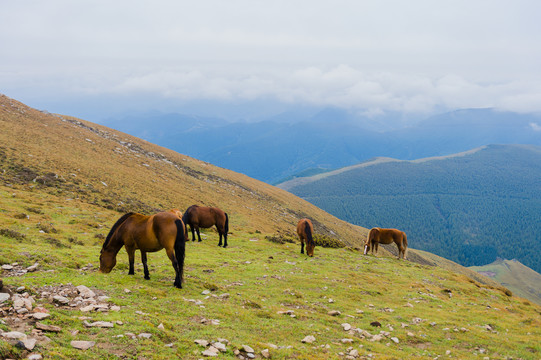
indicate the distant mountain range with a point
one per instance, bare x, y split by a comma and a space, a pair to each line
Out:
472, 207
282, 146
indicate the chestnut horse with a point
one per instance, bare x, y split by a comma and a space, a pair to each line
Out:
305, 230
386, 236
206, 217
163, 230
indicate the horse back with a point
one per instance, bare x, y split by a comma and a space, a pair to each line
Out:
389, 236
305, 228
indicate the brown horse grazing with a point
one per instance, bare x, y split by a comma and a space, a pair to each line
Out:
386, 236
206, 217
163, 230
305, 230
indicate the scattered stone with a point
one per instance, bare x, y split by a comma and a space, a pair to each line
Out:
346, 326
82, 345
265, 353
416, 320
7, 267
220, 346
346, 341
161, 327
35, 357
334, 313
203, 343
205, 292
50, 328
61, 299
85, 292
395, 340
377, 337
14, 335
29, 343
211, 352
247, 349
309, 339
100, 324
32, 268
4, 297
145, 335
40, 316
354, 353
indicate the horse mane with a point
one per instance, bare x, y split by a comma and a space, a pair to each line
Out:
308, 232
113, 229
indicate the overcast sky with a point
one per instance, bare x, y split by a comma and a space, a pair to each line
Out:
367, 56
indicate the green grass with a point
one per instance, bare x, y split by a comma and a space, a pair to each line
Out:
262, 278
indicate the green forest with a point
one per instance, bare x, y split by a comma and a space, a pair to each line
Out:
471, 209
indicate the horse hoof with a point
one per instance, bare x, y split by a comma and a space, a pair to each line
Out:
147, 277
178, 286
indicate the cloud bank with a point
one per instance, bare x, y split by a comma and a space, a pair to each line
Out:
373, 57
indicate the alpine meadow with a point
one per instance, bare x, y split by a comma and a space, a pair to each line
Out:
64, 182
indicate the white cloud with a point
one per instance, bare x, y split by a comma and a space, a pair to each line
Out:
388, 55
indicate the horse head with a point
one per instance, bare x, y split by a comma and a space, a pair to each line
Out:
107, 261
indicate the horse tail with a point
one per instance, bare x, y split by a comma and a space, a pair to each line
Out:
226, 226
115, 226
180, 247
405, 238
308, 232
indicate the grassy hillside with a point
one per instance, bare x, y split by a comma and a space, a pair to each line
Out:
518, 278
75, 159
64, 182
470, 208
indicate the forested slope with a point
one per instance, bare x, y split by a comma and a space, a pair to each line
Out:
470, 208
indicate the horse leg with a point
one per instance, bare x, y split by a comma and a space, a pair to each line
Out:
144, 259
174, 262
220, 242
225, 240
198, 234
302, 247
131, 258
193, 232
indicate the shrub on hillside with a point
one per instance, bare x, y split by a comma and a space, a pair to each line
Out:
327, 241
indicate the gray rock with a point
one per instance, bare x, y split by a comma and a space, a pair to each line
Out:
29, 343
82, 345
308, 339
247, 349
35, 357
14, 335
40, 315
32, 268
100, 324
145, 335
220, 346
61, 299
4, 297
85, 292
203, 343
211, 352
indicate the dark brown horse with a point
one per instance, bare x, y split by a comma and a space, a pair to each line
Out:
305, 230
163, 230
206, 217
386, 236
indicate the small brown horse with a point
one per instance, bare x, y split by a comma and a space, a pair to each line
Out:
206, 217
163, 230
305, 230
386, 236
